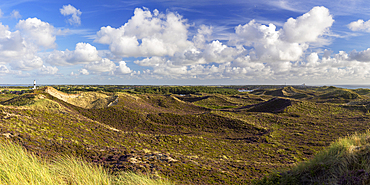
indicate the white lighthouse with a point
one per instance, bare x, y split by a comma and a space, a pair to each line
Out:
34, 84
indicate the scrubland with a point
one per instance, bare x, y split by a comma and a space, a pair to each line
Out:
195, 136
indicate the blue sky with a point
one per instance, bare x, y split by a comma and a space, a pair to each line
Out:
163, 42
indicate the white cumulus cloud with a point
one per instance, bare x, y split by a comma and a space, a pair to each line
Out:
123, 68
267, 43
12, 44
39, 32
103, 65
48, 70
147, 34
203, 35
27, 63
309, 26
75, 13
360, 25
20, 53
84, 72
83, 54
288, 43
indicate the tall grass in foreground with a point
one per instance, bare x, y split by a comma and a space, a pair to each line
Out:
17, 166
346, 161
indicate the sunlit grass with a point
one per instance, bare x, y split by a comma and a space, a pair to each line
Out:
17, 166
346, 161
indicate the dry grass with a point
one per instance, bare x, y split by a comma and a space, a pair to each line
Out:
85, 100
344, 162
90, 100
17, 166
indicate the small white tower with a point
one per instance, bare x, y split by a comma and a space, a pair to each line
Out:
34, 84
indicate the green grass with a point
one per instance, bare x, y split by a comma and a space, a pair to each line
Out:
20, 100
16, 89
345, 161
17, 166
5, 97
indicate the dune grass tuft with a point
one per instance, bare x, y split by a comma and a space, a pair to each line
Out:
17, 166
346, 161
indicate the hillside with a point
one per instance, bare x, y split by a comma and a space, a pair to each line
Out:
86, 100
345, 161
190, 139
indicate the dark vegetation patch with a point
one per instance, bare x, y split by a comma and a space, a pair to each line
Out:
5, 97
192, 98
284, 92
157, 103
361, 91
274, 105
186, 90
206, 123
341, 93
20, 100
217, 102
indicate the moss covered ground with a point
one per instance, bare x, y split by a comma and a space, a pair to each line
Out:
193, 139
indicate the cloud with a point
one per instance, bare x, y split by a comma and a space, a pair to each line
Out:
122, 68
309, 26
271, 52
340, 66
359, 25
147, 34
103, 65
15, 14
216, 52
39, 32
285, 5
48, 70
84, 72
267, 43
84, 53
153, 61
73, 74
27, 63
312, 60
362, 56
17, 51
11, 44
170, 70
288, 43
71, 10
3, 70
255, 51
203, 35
